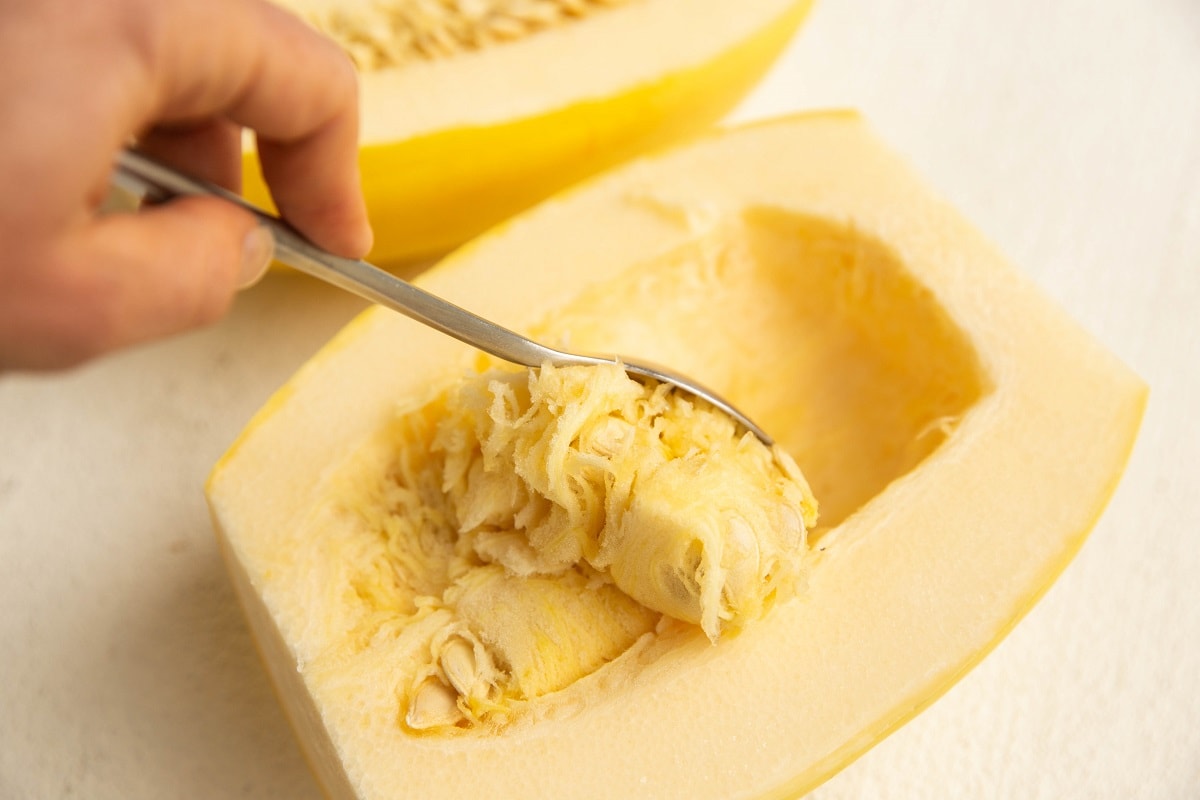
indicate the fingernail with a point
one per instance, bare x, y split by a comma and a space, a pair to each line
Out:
366, 239
258, 249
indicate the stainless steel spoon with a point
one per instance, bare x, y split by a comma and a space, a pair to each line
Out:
146, 178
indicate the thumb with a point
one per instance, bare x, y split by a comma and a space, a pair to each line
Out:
165, 269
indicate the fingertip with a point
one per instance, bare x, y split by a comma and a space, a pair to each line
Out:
352, 239
366, 240
319, 191
167, 268
335, 220
356, 238
258, 250
360, 237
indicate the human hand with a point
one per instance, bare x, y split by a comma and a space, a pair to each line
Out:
79, 80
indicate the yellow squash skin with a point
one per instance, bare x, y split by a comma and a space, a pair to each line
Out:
430, 193
961, 432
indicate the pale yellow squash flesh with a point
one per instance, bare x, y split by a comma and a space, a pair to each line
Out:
961, 433
454, 146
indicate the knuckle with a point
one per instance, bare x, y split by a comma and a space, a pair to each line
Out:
346, 74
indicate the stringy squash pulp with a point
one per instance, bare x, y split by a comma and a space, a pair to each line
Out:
960, 432
470, 116
526, 528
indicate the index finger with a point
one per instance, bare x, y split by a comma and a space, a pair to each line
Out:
263, 68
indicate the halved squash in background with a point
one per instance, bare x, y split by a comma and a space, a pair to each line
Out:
960, 431
472, 111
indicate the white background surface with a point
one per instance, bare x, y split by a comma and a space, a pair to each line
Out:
1068, 131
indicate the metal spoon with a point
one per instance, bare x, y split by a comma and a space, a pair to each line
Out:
144, 177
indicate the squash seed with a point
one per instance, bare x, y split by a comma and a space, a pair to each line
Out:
389, 33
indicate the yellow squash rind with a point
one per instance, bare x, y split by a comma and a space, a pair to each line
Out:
430, 191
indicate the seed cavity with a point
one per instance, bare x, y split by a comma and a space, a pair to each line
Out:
390, 33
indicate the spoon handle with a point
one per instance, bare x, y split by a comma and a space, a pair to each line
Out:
140, 175
146, 178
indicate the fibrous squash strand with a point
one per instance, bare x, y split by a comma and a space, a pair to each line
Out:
554, 515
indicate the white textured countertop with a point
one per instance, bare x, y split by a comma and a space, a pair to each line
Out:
1068, 131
